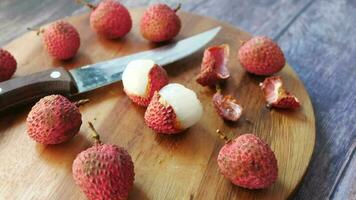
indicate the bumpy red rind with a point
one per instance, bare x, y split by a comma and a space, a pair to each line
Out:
214, 65
248, 162
276, 95
8, 65
161, 117
157, 78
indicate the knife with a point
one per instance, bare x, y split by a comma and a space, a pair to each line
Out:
26, 89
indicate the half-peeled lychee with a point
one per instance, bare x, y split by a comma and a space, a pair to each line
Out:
214, 65
173, 109
141, 79
276, 95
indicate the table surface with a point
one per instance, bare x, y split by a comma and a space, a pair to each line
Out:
319, 40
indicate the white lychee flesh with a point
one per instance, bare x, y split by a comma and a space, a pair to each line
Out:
184, 102
135, 76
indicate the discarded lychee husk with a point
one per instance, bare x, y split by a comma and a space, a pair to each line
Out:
227, 106
156, 78
261, 56
53, 120
247, 161
8, 65
173, 109
104, 171
276, 96
160, 23
214, 65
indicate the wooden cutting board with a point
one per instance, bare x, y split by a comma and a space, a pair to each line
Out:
179, 166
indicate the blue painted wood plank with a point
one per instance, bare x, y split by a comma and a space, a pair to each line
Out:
321, 46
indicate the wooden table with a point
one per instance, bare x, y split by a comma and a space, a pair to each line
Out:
319, 40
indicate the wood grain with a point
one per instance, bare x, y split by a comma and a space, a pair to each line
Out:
167, 167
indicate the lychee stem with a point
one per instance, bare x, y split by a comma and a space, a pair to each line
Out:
178, 7
95, 134
84, 2
218, 88
37, 30
223, 136
81, 102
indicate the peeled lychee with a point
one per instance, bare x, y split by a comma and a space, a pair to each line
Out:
61, 40
173, 109
53, 120
261, 56
276, 95
214, 65
8, 65
110, 19
104, 171
141, 78
160, 23
227, 106
248, 162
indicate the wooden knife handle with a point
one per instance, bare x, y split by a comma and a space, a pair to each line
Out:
22, 90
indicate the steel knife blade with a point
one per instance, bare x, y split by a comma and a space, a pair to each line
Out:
22, 90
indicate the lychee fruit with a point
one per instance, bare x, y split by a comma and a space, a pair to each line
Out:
53, 120
227, 106
104, 171
261, 56
8, 65
276, 95
173, 109
61, 40
110, 19
214, 65
141, 78
160, 23
247, 161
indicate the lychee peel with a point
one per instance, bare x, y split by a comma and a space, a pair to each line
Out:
160, 23
173, 109
104, 171
276, 95
8, 65
61, 40
110, 19
248, 162
141, 78
261, 56
227, 107
53, 120
214, 65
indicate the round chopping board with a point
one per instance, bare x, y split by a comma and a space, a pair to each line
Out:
181, 166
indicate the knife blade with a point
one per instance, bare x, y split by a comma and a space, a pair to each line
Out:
25, 89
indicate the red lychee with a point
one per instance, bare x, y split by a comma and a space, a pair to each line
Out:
276, 95
53, 120
104, 171
110, 19
247, 161
173, 109
141, 78
214, 65
61, 40
8, 65
261, 56
160, 23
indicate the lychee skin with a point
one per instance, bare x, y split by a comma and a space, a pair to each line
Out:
104, 171
53, 120
261, 56
248, 162
8, 65
157, 78
153, 117
111, 19
61, 40
160, 23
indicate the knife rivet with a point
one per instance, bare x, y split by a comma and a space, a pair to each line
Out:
55, 74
